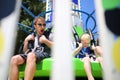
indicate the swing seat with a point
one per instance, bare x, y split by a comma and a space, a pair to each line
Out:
43, 69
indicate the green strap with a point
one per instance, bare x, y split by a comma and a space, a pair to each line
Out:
110, 4
79, 30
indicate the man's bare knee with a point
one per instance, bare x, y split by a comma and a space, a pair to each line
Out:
31, 57
16, 60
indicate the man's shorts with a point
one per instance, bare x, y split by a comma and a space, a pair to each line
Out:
39, 56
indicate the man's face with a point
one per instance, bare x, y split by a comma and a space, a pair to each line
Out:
40, 27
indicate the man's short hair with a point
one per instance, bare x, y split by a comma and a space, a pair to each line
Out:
36, 19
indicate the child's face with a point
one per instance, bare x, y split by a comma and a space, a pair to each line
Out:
85, 43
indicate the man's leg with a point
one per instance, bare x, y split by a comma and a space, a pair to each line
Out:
87, 68
15, 62
30, 66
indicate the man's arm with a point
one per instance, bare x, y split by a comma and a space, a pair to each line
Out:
46, 41
26, 42
25, 47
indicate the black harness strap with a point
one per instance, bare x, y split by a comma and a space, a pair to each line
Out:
76, 36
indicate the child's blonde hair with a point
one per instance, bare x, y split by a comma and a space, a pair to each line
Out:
85, 36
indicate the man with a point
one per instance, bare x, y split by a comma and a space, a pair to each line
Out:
41, 50
84, 52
